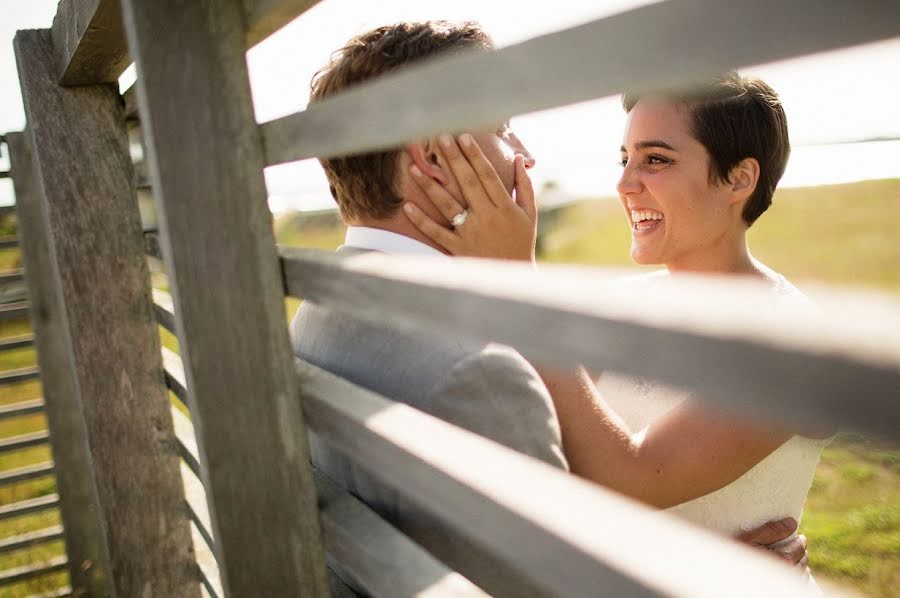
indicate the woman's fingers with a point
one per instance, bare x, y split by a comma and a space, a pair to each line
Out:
436, 194
431, 229
492, 184
525, 190
468, 180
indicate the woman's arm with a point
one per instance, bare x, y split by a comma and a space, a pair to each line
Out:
685, 454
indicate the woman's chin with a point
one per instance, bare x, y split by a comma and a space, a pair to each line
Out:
643, 256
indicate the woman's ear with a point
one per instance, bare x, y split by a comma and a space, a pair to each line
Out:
426, 157
744, 178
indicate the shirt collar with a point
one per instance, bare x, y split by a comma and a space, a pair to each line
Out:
376, 239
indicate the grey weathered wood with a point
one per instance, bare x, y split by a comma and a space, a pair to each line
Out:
164, 308
265, 17
698, 38
17, 574
223, 271
19, 375
4, 210
12, 275
21, 408
571, 538
16, 342
29, 472
41, 536
110, 336
839, 363
74, 477
14, 311
31, 505
8, 242
90, 42
22, 441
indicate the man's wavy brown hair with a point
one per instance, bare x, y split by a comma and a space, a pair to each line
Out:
364, 185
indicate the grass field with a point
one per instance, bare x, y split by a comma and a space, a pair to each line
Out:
843, 235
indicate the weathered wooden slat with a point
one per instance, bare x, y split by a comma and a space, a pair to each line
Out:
63, 592
19, 375
96, 250
16, 342
4, 174
32, 505
8, 242
9, 276
41, 536
21, 441
218, 242
21, 408
17, 574
265, 17
74, 477
698, 38
14, 311
839, 363
570, 539
5, 210
90, 42
20, 474
151, 244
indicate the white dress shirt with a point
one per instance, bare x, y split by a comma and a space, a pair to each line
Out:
376, 239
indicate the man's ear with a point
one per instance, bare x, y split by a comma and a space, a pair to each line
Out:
744, 178
425, 156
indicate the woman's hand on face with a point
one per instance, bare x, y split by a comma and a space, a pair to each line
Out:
496, 225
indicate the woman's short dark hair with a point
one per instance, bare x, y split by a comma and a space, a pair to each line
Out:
736, 117
364, 185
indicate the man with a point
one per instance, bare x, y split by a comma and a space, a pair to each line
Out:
488, 389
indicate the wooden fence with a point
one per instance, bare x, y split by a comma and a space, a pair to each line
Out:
156, 502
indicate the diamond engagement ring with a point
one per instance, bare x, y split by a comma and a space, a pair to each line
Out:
460, 219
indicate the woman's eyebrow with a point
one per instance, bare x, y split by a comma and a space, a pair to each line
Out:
651, 143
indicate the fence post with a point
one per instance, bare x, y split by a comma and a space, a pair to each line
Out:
85, 548
205, 160
88, 207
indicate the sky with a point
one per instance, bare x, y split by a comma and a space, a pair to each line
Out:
846, 95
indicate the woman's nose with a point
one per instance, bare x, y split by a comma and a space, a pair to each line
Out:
628, 182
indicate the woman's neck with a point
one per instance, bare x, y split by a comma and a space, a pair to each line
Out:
724, 258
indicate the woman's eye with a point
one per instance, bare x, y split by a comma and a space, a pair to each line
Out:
657, 160
623, 162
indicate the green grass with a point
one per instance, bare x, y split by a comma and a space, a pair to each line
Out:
844, 234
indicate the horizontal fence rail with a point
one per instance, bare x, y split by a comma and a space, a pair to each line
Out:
26, 540
698, 38
570, 539
380, 558
21, 408
19, 375
14, 311
16, 342
837, 363
32, 505
94, 49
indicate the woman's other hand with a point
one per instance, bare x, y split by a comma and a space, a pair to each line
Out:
495, 225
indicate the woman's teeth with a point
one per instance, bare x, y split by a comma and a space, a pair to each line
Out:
641, 215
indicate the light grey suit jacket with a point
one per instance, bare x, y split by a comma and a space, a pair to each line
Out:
487, 388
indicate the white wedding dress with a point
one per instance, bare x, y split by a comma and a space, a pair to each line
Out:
775, 488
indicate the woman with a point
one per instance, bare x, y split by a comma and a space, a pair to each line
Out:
698, 170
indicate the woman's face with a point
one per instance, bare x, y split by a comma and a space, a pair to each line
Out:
676, 214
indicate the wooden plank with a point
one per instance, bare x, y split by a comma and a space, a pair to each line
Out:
14, 311
4, 174
74, 477
110, 337
570, 539
17, 574
29, 472
21, 408
8, 242
16, 342
218, 242
382, 560
90, 42
6, 210
698, 38
41, 536
265, 17
164, 309
22, 441
838, 363
19, 375
26, 507
63, 592
14, 275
